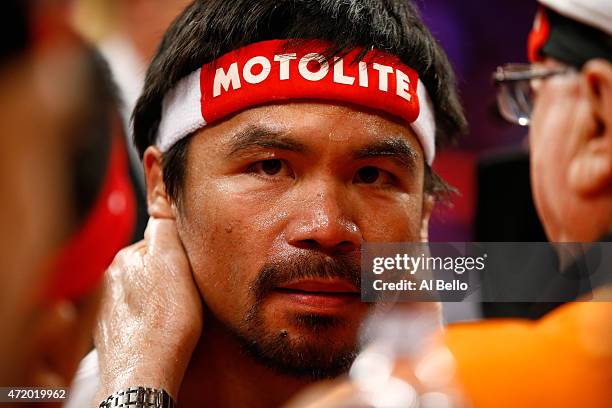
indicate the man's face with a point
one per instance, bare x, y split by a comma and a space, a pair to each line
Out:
276, 203
552, 127
42, 94
562, 122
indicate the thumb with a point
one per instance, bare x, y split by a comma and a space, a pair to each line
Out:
163, 242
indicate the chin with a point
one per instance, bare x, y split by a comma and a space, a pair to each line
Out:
310, 346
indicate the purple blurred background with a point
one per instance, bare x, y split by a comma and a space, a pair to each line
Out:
478, 36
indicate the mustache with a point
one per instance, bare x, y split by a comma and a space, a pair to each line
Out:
301, 267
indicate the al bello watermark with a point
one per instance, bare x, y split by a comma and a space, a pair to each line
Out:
424, 264
484, 271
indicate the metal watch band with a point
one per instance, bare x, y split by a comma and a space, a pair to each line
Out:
139, 397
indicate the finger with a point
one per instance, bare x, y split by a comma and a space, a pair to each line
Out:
161, 227
163, 242
157, 216
162, 233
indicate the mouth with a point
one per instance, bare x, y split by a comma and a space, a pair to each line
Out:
320, 294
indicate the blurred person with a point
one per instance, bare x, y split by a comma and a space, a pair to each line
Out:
63, 182
130, 33
127, 33
565, 96
277, 137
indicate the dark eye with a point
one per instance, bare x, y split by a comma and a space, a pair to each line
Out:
270, 168
373, 175
368, 175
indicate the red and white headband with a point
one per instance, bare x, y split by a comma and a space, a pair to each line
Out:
275, 71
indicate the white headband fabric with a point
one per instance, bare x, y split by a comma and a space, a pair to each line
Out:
271, 71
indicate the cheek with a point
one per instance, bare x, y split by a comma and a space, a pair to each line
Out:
396, 219
553, 128
546, 176
227, 236
560, 115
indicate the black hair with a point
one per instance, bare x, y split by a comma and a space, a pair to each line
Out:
92, 133
207, 29
13, 20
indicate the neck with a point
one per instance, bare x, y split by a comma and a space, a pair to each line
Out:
221, 375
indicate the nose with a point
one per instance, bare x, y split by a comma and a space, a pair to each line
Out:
321, 222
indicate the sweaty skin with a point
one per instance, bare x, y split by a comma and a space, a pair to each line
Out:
265, 190
236, 217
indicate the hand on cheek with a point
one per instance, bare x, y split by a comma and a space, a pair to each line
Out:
151, 315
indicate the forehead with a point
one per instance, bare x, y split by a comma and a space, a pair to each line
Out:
316, 125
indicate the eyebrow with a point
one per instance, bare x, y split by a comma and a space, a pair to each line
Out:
259, 136
396, 148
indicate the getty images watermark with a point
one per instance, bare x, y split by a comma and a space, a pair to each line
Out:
483, 272
423, 264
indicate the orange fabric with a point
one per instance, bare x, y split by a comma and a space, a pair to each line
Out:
562, 360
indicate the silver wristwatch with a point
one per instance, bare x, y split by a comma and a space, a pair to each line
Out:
139, 397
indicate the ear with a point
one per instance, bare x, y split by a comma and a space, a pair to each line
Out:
157, 200
62, 336
429, 202
590, 170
